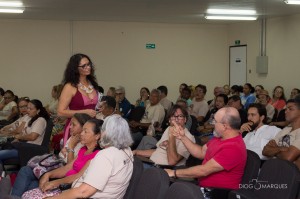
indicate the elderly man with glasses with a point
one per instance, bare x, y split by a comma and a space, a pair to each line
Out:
224, 156
123, 106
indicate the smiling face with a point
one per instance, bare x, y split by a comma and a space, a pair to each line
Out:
144, 94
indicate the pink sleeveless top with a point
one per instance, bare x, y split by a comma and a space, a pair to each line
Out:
79, 102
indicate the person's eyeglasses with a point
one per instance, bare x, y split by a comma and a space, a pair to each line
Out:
178, 117
23, 107
7, 97
85, 65
214, 122
119, 93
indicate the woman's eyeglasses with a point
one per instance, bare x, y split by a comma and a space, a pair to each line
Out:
85, 65
178, 117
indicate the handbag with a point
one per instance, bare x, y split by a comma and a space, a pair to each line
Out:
44, 163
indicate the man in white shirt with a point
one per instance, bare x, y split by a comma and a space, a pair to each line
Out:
258, 134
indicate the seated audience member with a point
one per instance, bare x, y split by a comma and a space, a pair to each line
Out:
16, 126
224, 156
154, 114
235, 102
107, 107
59, 122
280, 120
123, 106
184, 105
111, 92
199, 106
181, 87
1, 96
8, 108
220, 101
278, 101
258, 88
186, 95
26, 180
32, 131
192, 89
169, 151
52, 106
294, 92
217, 91
264, 98
109, 173
286, 144
89, 137
144, 97
227, 90
258, 133
164, 101
236, 90
247, 97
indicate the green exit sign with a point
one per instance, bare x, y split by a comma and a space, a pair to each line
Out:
150, 46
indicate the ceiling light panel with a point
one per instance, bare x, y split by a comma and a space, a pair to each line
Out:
292, 2
227, 17
11, 4
231, 12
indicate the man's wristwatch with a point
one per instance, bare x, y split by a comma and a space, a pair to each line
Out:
70, 150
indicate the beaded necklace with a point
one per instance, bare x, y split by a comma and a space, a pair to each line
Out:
88, 89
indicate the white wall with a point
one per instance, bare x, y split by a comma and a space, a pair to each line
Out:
282, 48
37, 51
34, 54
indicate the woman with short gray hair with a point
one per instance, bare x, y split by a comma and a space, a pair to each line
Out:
109, 173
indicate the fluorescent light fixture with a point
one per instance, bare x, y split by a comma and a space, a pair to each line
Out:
4, 10
231, 12
11, 4
227, 17
292, 2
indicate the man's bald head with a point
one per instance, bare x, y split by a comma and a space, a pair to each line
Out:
231, 117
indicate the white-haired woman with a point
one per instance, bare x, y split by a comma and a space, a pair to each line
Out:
109, 173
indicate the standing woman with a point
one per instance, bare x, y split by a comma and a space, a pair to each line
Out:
79, 94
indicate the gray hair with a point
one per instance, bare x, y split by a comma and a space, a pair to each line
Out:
117, 133
121, 88
156, 91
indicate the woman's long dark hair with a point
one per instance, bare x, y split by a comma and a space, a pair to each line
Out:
42, 111
71, 74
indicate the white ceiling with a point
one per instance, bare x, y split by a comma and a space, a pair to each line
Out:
166, 11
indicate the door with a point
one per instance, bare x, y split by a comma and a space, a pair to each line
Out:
238, 65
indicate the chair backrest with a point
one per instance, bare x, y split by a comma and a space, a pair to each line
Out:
194, 126
135, 178
153, 184
252, 168
136, 113
179, 190
278, 179
48, 131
